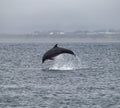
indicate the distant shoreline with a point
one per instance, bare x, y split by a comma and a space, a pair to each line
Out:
59, 39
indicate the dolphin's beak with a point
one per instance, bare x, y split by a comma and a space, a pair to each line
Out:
42, 61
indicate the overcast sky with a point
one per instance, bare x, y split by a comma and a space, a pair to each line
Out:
26, 16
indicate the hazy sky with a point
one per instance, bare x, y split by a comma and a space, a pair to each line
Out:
26, 16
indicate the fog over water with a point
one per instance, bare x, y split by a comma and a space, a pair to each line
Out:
26, 16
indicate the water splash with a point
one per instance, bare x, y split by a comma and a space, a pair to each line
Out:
66, 62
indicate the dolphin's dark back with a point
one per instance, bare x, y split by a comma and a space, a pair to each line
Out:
67, 51
55, 51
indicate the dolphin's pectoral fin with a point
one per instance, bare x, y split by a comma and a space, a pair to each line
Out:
52, 58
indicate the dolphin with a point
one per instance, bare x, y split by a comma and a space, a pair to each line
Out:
55, 51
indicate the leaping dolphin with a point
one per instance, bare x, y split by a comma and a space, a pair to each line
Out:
55, 51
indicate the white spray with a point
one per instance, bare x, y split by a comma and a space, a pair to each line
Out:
66, 62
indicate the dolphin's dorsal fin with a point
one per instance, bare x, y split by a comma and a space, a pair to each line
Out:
55, 46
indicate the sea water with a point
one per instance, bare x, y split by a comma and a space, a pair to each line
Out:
89, 80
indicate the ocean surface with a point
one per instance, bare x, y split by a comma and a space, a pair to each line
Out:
89, 80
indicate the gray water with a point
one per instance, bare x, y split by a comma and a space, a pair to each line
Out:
89, 80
